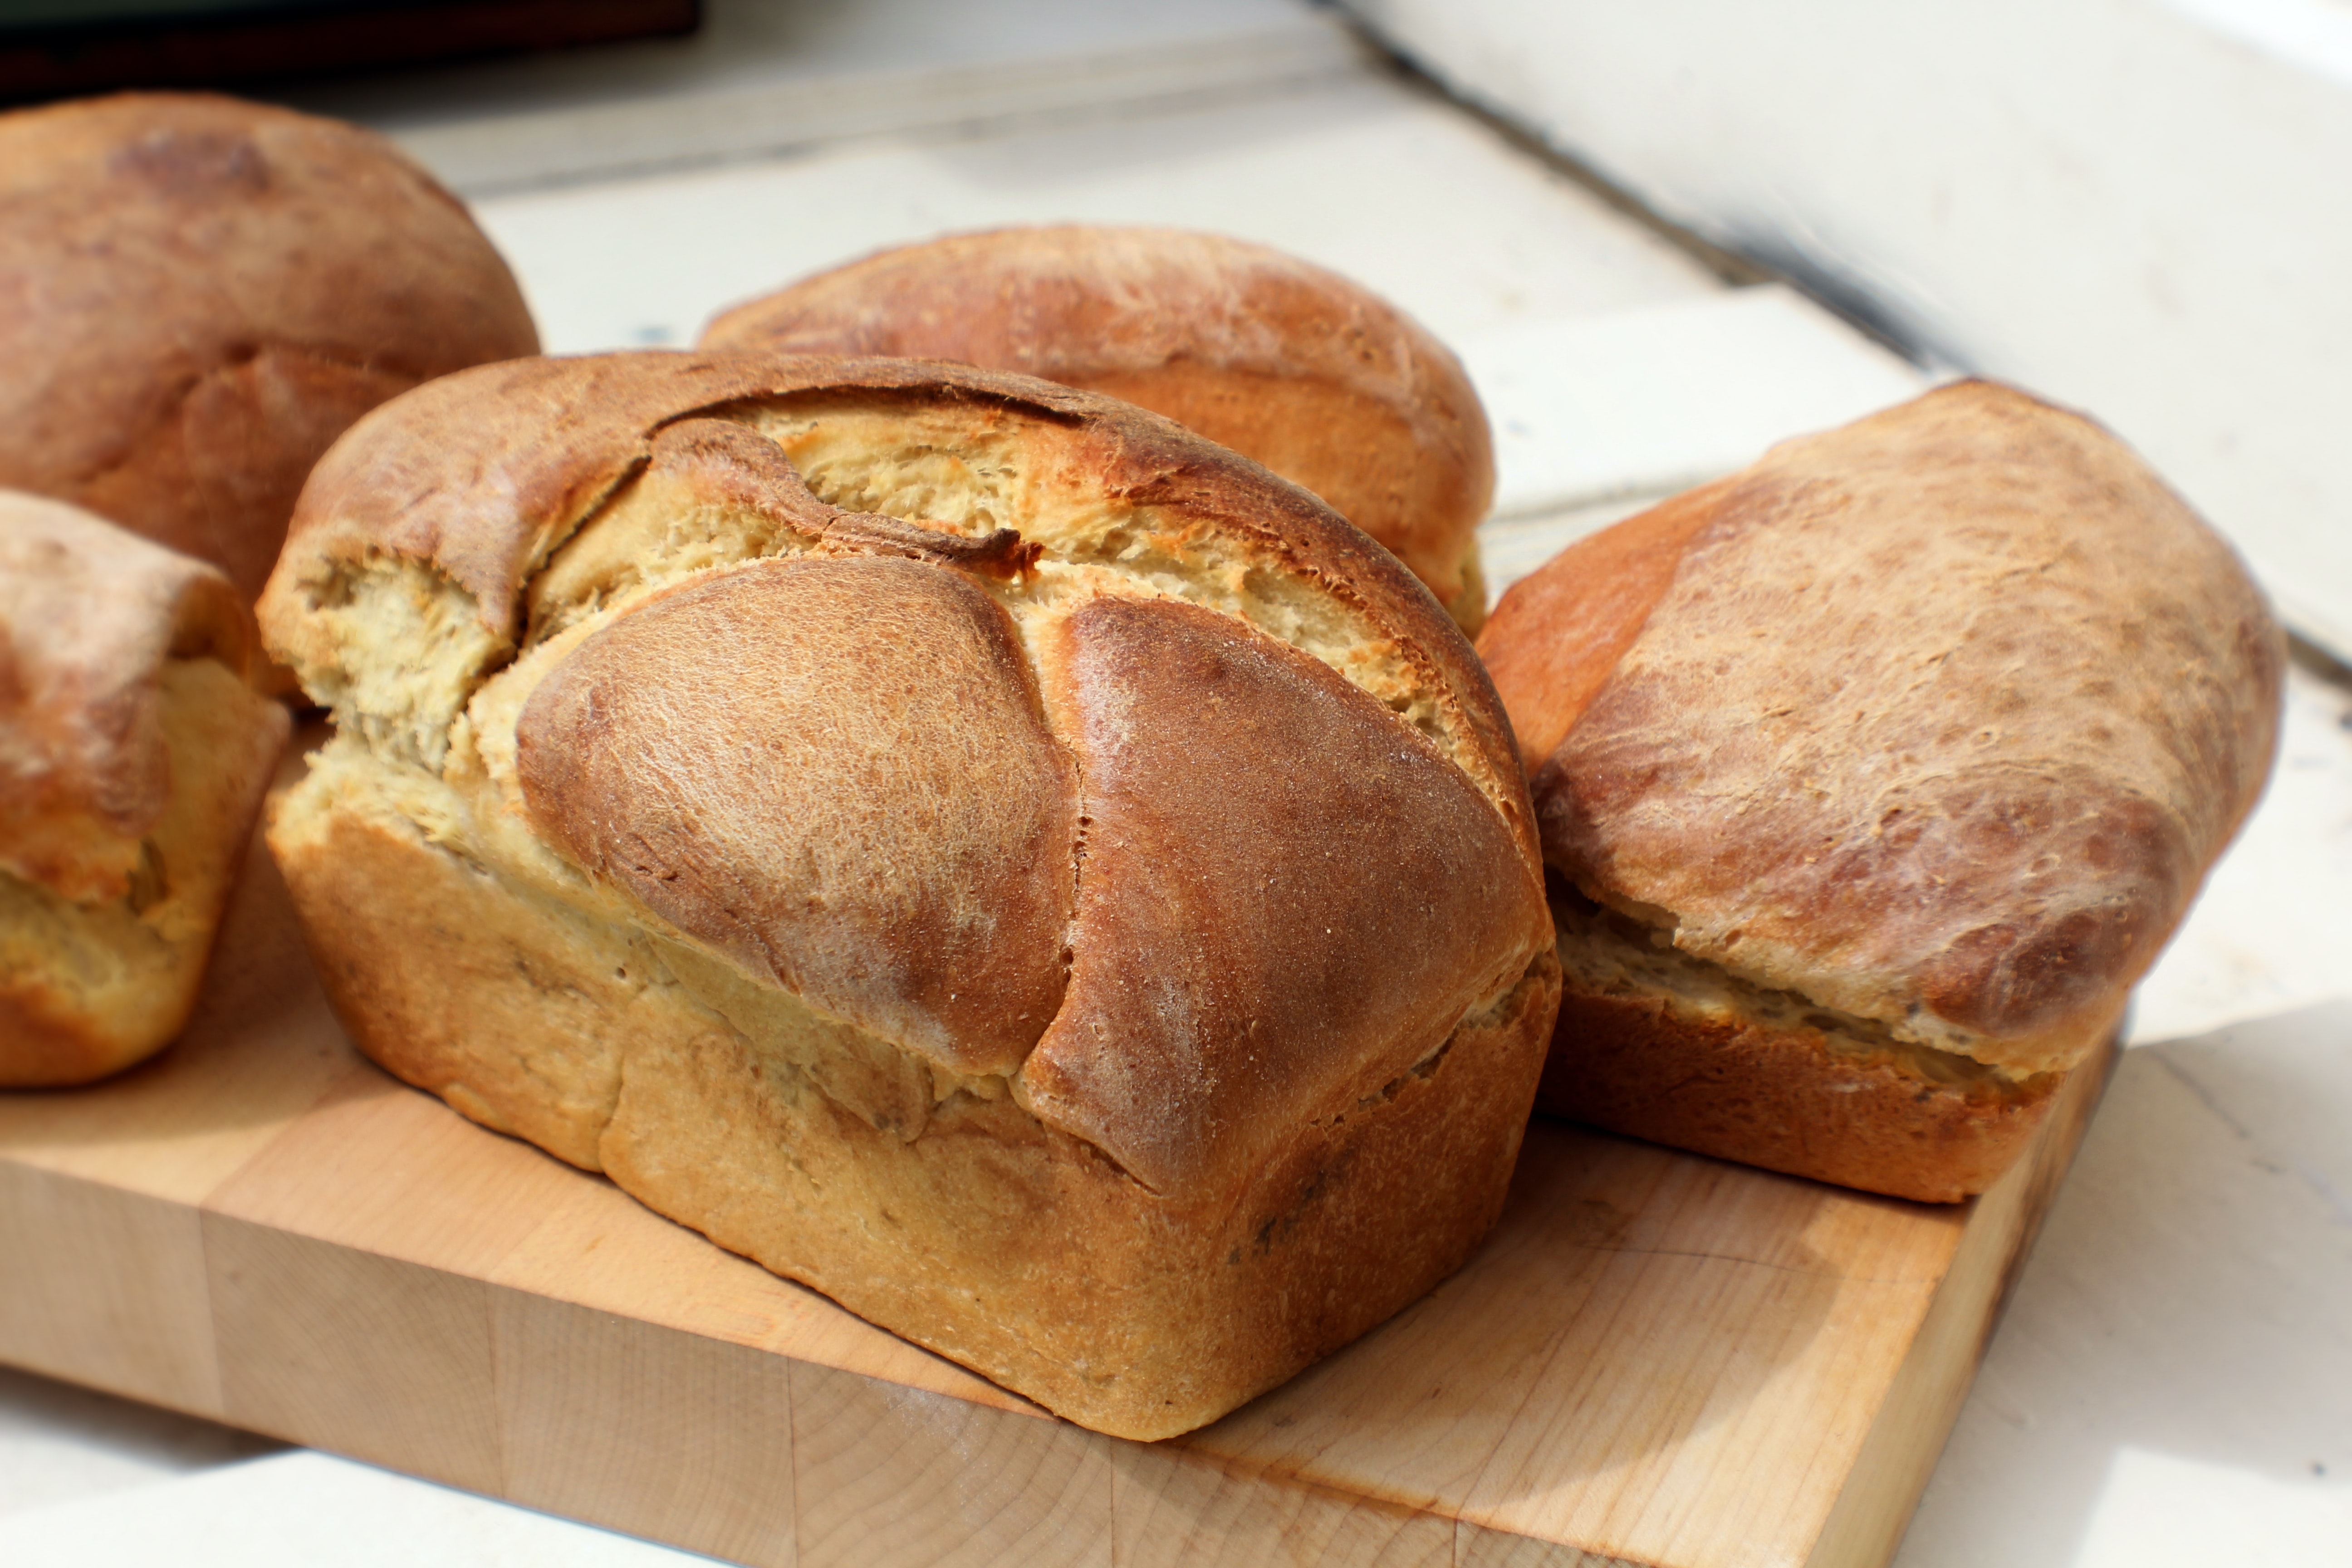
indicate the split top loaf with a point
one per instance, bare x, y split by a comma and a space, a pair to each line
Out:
1877, 773
1315, 376
970, 844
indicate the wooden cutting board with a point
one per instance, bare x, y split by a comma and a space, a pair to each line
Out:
1658, 1359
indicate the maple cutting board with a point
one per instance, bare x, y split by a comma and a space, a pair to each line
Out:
1658, 1359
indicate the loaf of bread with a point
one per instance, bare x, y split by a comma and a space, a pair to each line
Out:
1871, 779
197, 295
132, 760
1326, 384
970, 844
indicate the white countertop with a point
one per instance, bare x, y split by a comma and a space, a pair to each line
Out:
2172, 1384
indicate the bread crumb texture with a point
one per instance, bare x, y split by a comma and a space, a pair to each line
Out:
968, 845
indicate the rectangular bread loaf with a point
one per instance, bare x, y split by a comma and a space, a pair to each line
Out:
1872, 777
966, 843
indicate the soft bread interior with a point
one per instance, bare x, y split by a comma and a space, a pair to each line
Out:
103, 983
1606, 951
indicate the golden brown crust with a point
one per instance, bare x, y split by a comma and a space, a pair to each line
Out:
515, 1010
197, 295
1556, 637
132, 759
1012, 1248
1940, 723
782, 761
46, 1041
88, 616
482, 474
1321, 381
1741, 1090
733, 753
89, 989
1280, 888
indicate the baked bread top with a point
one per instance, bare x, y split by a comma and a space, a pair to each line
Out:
1938, 720
1067, 751
88, 616
1316, 377
198, 294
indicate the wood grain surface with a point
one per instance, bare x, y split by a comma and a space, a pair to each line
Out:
1658, 1359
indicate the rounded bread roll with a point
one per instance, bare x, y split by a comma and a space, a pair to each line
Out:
969, 844
1319, 379
1874, 776
197, 295
132, 760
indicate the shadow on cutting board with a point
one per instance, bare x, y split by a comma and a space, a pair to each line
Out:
1633, 1303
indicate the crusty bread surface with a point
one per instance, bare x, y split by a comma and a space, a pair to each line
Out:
970, 844
198, 294
1873, 776
132, 760
1316, 377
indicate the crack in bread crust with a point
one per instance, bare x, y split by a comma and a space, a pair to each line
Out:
1660, 1045
1209, 525
540, 767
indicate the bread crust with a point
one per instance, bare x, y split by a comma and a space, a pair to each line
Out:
1015, 1249
1740, 1089
664, 685
1242, 805
758, 831
1316, 377
88, 614
1937, 720
198, 294
132, 760
482, 474
1654, 1045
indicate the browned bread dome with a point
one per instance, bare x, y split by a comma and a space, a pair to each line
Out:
1321, 380
970, 844
198, 294
132, 760
1874, 776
